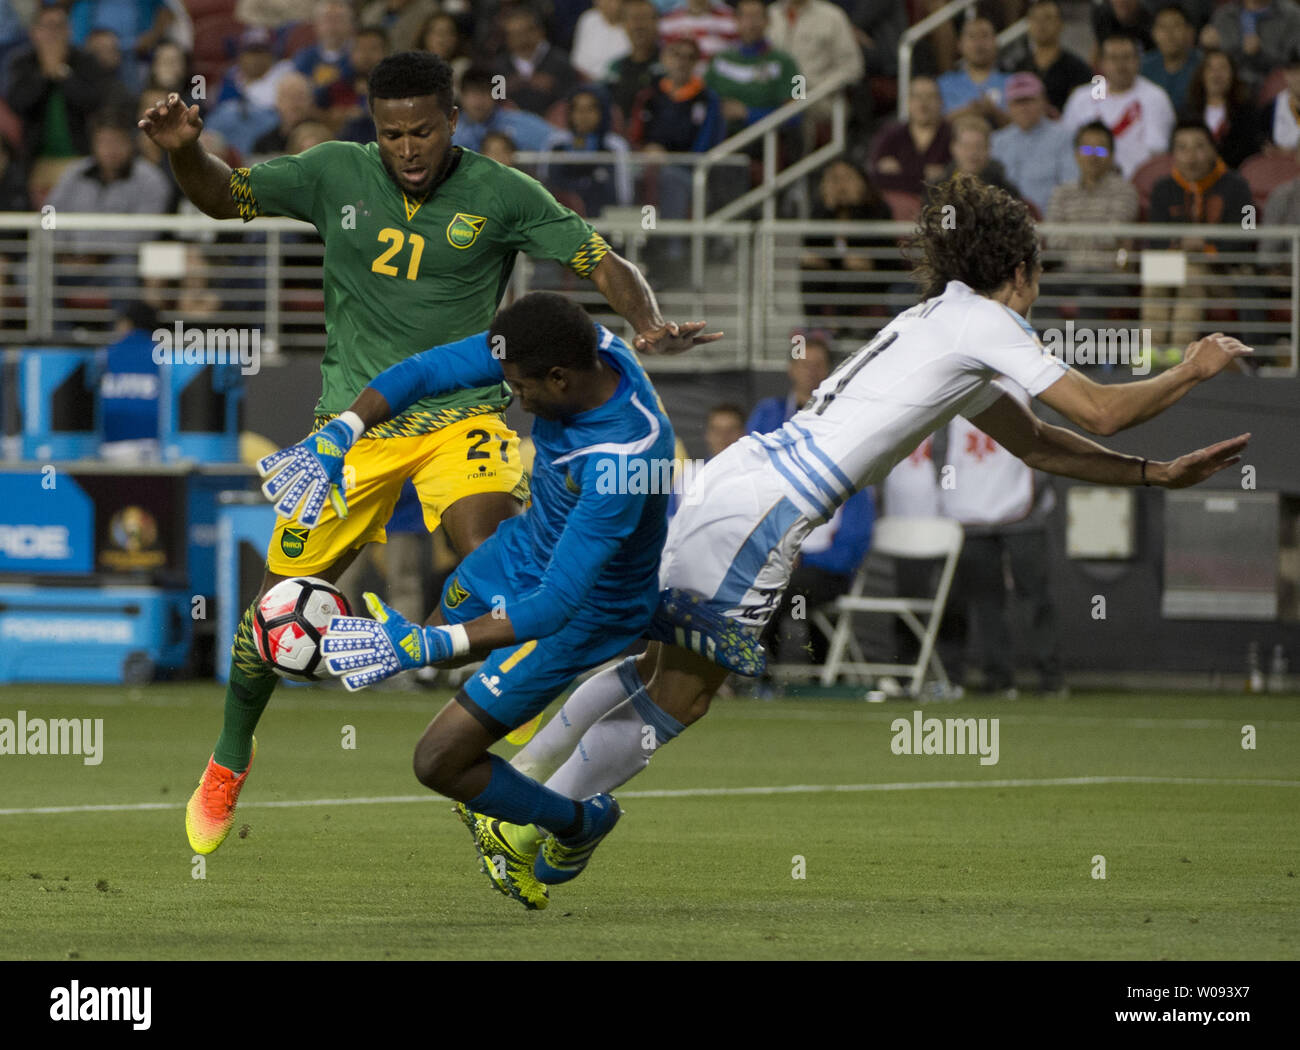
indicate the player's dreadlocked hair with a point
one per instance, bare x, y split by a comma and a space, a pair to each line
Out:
980, 241
542, 331
411, 74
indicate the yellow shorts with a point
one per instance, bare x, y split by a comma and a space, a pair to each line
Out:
478, 454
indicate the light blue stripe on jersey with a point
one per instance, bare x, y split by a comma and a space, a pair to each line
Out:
754, 552
818, 506
814, 475
830, 464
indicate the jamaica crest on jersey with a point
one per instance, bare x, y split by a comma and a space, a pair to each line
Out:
463, 230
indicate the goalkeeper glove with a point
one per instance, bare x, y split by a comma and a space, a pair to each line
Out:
363, 652
311, 471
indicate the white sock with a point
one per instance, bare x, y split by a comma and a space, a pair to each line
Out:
616, 748
590, 702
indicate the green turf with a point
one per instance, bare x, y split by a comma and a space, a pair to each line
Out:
1193, 870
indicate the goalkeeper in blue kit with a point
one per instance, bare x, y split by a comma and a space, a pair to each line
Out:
560, 589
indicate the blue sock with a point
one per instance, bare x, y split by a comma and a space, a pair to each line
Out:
511, 796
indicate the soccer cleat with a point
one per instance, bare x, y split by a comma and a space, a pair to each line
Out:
561, 860
510, 871
210, 812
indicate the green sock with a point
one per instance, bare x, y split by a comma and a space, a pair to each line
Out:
248, 691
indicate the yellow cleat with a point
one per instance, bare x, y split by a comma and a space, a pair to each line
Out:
509, 869
210, 812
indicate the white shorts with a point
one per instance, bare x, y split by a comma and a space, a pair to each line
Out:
728, 558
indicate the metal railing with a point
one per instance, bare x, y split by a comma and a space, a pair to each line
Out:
761, 280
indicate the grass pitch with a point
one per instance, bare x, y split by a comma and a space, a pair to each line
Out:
340, 854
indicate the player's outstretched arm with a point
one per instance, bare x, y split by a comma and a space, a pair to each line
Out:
627, 291
203, 178
1105, 410
1060, 451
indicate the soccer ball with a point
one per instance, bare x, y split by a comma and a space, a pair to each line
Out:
289, 622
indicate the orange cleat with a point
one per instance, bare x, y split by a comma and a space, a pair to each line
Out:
210, 812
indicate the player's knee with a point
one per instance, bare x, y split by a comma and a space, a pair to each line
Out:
433, 766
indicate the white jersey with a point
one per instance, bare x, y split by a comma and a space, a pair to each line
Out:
930, 363
733, 544
1140, 119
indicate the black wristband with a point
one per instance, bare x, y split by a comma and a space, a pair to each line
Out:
1144, 473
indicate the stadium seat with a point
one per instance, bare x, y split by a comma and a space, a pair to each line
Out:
11, 127
298, 38
202, 8
1266, 172
904, 207
895, 537
1145, 178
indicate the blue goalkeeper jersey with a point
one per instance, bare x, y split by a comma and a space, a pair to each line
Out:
587, 549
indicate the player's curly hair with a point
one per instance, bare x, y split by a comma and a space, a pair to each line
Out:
412, 74
542, 331
980, 241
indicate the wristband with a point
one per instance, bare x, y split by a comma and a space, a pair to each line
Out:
459, 638
354, 423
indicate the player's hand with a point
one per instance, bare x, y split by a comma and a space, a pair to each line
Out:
1195, 467
674, 338
308, 473
362, 652
1214, 353
171, 124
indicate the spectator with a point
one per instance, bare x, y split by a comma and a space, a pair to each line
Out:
806, 373
1003, 514
1200, 189
1138, 113
844, 194
1175, 58
1036, 152
120, 77
680, 114
598, 185
971, 153
293, 105
820, 38
305, 135
401, 20
169, 70
628, 76
349, 109
441, 36
13, 37
1286, 107
1100, 197
978, 86
1260, 35
723, 427
1122, 17
1282, 209
753, 78
253, 77
600, 39
537, 74
480, 113
54, 89
878, 26
1222, 101
500, 147
140, 25
1039, 51
113, 180
328, 61
712, 25
905, 157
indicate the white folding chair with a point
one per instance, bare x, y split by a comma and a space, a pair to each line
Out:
898, 538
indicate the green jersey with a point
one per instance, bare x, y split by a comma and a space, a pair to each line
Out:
403, 275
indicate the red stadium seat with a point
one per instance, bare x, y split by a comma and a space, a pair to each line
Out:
299, 38
201, 8
905, 207
1264, 172
10, 126
1145, 178
214, 37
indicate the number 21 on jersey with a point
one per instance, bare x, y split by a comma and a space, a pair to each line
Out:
396, 240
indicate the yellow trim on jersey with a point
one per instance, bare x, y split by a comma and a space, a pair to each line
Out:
415, 422
241, 192
411, 210
588, 255
508, 664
